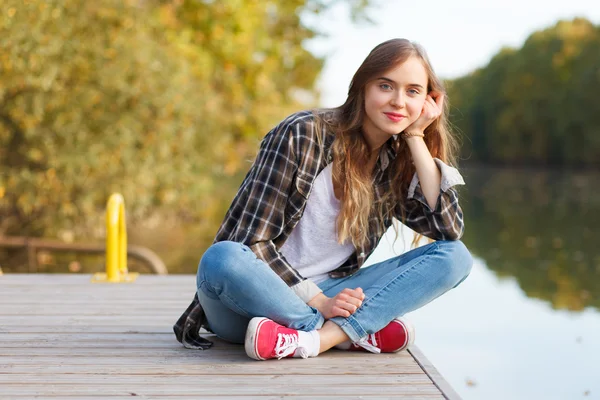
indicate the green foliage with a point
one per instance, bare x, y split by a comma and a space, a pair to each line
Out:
91, 103
537, 104
163, 101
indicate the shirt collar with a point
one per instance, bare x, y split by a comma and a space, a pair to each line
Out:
386, 154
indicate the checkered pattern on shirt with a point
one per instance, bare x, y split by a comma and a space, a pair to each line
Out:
272, 197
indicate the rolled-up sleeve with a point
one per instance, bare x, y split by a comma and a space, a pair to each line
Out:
306, 290
443, 222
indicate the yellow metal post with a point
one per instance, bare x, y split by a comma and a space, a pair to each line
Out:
116, 244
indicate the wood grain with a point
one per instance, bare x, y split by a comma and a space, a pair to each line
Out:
64, 337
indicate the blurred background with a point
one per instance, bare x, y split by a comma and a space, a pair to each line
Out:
166, 102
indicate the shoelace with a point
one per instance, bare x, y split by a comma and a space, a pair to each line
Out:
369, 343
287, 344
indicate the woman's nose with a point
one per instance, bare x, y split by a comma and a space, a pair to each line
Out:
398, 99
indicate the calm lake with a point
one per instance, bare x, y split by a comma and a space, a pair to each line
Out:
526, 323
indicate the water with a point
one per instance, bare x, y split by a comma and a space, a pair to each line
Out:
490, 341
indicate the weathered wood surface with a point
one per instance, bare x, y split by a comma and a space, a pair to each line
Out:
64, 337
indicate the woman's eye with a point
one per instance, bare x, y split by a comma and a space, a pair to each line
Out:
385, 86
413, 91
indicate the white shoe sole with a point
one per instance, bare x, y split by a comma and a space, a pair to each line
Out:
251, 334
410, 330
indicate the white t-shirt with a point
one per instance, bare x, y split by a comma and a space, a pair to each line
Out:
312, 247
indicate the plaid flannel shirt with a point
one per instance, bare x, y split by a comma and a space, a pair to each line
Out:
272, 197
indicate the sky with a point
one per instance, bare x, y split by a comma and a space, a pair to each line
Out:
459, 36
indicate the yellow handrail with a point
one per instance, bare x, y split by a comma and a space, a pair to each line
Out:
116, 244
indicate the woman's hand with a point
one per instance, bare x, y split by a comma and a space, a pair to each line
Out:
344, 304
432, 109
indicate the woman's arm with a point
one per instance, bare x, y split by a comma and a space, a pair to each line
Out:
431, 207
428, 173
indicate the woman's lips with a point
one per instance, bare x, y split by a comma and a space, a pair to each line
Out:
395, 117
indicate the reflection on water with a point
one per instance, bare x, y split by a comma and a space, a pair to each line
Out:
539, 227
490, 341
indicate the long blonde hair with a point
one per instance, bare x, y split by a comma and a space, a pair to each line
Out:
351, 152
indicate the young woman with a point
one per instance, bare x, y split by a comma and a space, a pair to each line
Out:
284, 276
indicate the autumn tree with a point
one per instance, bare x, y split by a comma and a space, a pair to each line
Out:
163, 101
536, 104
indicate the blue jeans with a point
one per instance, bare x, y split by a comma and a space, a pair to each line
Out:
235, 286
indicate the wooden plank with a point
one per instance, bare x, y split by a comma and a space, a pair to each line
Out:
139, 310
83, 302
215, 380
62, 337
341, 389
93, 303
61, 329
107, 298
242, 397
117, 354
99, 297
89, 320
186, 291
67, 292
167, 367
213, 355
84, 279
83, 338
432, 372
7, 346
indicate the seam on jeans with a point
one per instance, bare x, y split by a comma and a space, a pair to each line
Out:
208, 288
239, 309
319, 320
435, 248
357, 327
205, 287
346, 325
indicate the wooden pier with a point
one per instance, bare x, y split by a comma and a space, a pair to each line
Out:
64, 337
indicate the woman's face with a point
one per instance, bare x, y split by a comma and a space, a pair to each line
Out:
394, 100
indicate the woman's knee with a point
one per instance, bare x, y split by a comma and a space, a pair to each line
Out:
458, 259
222, 259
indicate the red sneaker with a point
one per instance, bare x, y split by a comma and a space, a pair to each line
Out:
396, 336
267, 339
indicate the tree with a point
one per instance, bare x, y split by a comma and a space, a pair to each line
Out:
535, 105
163, 101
